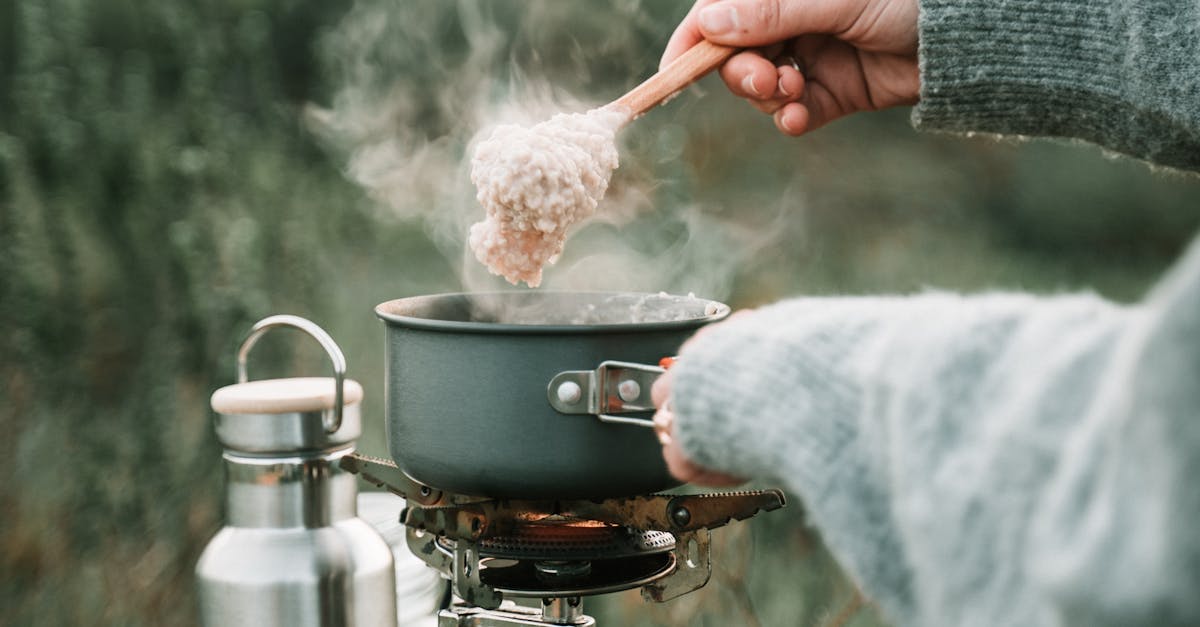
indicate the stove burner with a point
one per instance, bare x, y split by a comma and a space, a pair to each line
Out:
560, 570
558, 550
559, 538
529, 579
560, 556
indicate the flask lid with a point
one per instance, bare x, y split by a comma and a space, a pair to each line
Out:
277, 396
290, 415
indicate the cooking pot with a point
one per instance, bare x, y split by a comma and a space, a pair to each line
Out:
532, 395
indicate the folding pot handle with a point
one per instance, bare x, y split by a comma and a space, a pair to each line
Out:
614, 387
318, 334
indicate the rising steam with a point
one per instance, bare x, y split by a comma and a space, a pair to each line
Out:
421, 80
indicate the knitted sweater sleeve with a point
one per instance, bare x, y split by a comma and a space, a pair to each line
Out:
988, 460
1124, 74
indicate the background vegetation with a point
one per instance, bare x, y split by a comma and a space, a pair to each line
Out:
172, 171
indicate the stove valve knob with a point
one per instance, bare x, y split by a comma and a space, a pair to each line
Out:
569, 392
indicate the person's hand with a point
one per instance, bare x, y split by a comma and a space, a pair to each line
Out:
681, 467
678, 463
810, 62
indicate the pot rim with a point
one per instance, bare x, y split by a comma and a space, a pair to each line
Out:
385, 311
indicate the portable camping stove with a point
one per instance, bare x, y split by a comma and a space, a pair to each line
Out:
558, 551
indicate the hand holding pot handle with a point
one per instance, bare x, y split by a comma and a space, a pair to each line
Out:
681, 467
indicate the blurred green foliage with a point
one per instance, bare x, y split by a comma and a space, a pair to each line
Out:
160, 190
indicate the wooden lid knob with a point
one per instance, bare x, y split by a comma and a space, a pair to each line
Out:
279, 396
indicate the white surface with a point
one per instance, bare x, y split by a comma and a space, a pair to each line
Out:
418, 587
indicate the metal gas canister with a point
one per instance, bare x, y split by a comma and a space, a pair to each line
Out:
293, 551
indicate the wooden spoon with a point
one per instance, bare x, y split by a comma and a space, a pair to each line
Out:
689, 67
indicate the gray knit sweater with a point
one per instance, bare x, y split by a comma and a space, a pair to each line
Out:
997, 459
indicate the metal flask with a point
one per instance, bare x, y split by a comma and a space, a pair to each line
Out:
293, 552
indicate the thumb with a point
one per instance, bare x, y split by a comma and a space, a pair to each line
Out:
746, 23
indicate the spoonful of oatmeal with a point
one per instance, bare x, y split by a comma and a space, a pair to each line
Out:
536, 183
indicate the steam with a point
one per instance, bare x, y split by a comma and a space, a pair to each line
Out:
422, 80
536, 184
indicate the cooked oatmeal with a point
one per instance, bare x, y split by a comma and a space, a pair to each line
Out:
535, 183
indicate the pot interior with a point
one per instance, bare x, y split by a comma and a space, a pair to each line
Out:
546, 309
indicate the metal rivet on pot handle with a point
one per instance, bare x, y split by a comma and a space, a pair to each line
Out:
569, 392
629, 390
317, 333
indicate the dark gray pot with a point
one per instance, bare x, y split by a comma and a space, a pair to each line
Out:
467, 378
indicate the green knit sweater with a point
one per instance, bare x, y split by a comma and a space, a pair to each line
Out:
1122, 74
997, 459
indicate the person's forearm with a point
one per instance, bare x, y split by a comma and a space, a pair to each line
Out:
1122, 74
917, 431
991, 460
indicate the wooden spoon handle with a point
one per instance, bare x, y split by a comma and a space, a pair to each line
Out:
699, 60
